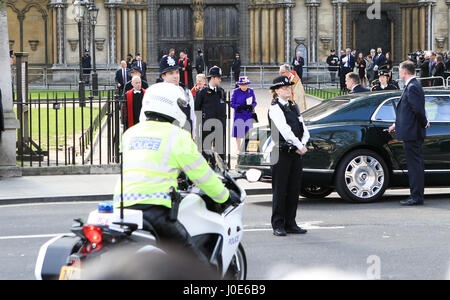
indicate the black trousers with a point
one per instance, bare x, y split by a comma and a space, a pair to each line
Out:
416, 169
170, 233
286, 182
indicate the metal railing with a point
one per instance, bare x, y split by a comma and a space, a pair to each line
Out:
262, 76
59, 129
434, 82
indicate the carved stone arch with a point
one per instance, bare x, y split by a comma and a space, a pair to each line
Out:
38, 7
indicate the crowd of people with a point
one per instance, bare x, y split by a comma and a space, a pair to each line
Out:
371, 72
431, 64
207, 99
204, 96
375, 69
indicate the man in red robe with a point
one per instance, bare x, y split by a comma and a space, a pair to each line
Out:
185, 70
134, 97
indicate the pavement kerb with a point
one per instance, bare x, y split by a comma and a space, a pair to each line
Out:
95, 198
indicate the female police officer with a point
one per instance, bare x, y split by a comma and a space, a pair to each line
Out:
290, 137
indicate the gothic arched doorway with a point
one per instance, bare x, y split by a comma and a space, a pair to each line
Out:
372, 33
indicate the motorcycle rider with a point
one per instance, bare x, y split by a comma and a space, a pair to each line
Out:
155, 152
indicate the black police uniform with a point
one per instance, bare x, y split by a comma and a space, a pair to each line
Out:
212, 104
286, 164
168, 64
378, 87
392, 84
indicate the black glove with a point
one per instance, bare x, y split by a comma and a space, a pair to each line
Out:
234, 199
248, 107
240, 108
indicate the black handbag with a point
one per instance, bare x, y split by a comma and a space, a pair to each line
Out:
255, 117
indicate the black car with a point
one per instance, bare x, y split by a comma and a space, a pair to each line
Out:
351, 151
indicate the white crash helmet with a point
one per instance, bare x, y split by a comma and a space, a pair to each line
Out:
165, 99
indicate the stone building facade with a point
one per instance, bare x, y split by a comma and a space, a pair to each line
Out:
265, 32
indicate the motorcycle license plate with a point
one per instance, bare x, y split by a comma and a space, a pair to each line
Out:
70, 273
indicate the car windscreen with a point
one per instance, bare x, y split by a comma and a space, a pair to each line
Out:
324, 109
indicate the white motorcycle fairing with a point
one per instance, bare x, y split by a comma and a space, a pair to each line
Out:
198, 220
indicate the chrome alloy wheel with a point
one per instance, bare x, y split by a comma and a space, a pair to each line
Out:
364, 177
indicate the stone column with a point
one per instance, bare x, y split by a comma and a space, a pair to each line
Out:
8, 166
288, 30
312, 7
113, 8
448, 24
59, 8
429, 21
339, 6
152, 33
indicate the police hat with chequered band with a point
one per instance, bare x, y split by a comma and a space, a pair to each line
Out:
168, 64
280, 82
383, 72
215, 72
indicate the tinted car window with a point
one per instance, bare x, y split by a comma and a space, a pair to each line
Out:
324, 109
438, 108
386, 112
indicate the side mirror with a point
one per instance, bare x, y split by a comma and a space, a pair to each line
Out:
253, 175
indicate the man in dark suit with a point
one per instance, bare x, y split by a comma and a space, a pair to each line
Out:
379, 60
200, 62
410, 127
353, 84
87, 67
297, 63
122, 77
138, 63
347, 65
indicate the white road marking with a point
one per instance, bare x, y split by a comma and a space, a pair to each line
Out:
37, 236
47, 203
312, 225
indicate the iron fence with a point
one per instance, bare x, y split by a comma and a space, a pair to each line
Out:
59, 129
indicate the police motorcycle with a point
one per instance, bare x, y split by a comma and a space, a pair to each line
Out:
216, 230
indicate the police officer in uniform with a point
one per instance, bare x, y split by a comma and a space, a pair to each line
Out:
211, 102
290, 137
383, 83
170, 73
154, 153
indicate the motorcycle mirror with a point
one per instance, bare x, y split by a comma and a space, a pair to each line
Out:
253, 175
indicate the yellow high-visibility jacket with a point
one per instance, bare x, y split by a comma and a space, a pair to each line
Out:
154, 154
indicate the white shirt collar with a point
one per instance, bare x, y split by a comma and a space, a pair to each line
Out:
407, 81
283, 102
212, 88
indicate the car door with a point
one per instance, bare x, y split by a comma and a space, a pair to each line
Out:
436, 149
382, 119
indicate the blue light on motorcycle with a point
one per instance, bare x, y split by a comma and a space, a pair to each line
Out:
106, 207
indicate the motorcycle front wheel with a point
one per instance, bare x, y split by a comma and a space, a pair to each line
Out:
238, 266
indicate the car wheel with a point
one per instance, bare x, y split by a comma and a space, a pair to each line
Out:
315, 192
362, 177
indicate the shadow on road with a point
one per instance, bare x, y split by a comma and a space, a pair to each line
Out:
335, 200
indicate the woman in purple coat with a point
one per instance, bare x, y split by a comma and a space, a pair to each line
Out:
243, 101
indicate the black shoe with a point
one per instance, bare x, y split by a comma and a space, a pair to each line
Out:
411, 202
296, 230
279, 232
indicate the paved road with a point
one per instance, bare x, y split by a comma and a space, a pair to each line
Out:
382, 239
